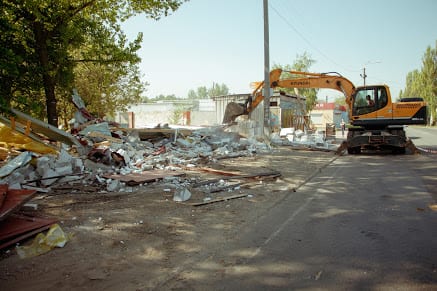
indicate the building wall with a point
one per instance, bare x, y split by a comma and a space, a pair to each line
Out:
203, 118
147, 115
319, 118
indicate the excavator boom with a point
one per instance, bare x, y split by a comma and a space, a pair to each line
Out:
304, 80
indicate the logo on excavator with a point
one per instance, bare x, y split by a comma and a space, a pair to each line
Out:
299, 83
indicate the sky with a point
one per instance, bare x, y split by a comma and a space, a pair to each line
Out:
209, 41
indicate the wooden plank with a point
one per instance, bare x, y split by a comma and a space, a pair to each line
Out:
46, 129
143, 177
251, 176
218, 200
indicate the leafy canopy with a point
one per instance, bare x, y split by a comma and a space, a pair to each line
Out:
423, 82
302, 63
42, 43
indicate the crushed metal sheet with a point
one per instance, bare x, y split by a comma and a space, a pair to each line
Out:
47, 130
16, 139
143, 177
13, 201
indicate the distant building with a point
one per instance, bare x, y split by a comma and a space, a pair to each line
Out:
328, 113
285, 111
178, 112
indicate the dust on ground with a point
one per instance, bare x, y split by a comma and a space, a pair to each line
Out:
140, 240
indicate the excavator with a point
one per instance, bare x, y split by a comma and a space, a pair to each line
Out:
376, 123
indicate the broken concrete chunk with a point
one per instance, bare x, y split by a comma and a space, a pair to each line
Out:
63, 171
63, 159
18, 161
184, 143
44, 163
182, 195
113, 185
47, 174
102, 128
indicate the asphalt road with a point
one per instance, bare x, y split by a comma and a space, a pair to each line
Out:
362, 223
423, 137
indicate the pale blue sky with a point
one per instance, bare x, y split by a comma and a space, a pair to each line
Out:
208, 41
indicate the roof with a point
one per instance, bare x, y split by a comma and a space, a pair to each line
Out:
329, 106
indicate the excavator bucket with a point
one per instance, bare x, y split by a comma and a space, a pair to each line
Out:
232, 111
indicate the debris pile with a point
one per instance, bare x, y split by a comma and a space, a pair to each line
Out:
100, 152
120, 158
299, 138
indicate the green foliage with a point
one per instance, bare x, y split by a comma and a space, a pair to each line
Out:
162, 97
177, 114
42, 42
340, 100
204, 93
423, 83
302, 63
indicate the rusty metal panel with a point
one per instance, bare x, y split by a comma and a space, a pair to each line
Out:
14, 199
19, 227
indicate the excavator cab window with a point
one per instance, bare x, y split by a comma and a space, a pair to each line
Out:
369, 99
382, 97
364, 101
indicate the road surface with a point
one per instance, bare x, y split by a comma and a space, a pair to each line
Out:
425, 138
365, 222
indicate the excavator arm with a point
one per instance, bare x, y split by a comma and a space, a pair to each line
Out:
306, 80
302, 80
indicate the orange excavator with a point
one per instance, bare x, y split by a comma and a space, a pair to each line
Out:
375, 121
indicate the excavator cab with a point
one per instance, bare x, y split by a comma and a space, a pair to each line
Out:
368, 100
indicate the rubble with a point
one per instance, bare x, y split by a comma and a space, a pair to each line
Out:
99, 157
127, 159
305, 139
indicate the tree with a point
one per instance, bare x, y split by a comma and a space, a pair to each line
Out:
44, 35
218, 90
429, 79
203, 92
200, 93
414, 86
423, 83
162, 97
302, 63
340, 101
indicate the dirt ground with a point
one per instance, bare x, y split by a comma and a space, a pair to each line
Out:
140, 240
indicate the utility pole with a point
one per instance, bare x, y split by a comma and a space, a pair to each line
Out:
266, 70
364, 76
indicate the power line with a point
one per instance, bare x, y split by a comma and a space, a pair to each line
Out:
307, 41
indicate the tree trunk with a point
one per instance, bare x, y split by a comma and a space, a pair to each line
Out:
48, 73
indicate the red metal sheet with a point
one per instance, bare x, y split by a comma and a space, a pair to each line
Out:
14, 199
16, 228
3, 192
